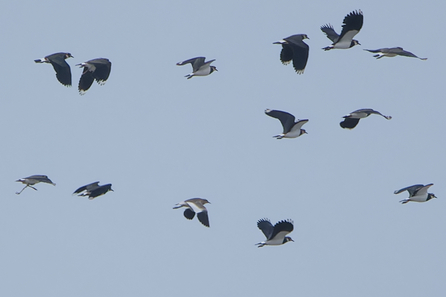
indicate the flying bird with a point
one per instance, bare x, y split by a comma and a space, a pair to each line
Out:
275, 235
32, 180
96, 69
393, 52
417, 193
293, 48
352, 119
199, 67
93, 190
63, 70
352, 25
195, 205
291, 129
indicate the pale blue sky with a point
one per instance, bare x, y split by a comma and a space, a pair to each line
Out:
160, 138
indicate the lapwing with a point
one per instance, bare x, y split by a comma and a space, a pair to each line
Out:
96, 69
293, 48
63, 70
275, 235
32, 180
352, 25
393, 52
352, 119
417, 193
93, 190
199, 67
195, 205
291, 129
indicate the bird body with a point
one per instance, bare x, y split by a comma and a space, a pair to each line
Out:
291, 129
393, 52
195, 206
199, 67
352, 25
93, 190
275, 235
96, 69
417, 193
32, 180
294, 49
63, 70
352, 119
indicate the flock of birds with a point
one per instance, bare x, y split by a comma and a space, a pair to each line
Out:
293, 49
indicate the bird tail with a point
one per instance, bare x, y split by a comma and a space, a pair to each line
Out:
40, 61
280, 136
260, 244
327, 48
189, 76
404, 201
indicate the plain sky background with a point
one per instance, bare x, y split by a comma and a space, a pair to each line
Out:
160, 139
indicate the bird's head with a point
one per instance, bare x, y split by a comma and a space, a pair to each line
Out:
430, 196
302, 131
205, 201
108, 187
354, 42
287, 238
305, 36
68, 55
213, 68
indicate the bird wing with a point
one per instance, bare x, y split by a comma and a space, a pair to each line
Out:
411, 189
196, 204
195, 62
63, 70
330, 32
298, 125
352, 25
380, 50
189, 214
85, 81
87, 187
40, 179
203, 217
349, 123
401, 52
300, 55
423, 190
286, 54
266, 227
282, 227
285, 118
102, 71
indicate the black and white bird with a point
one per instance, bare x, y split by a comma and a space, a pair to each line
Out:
352, 119
352, 25
392, 52
275, 235
32, 180
96, 69
417, 193
63, 70
293, 48
291, 129
199, 67
195, 205
93, 190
